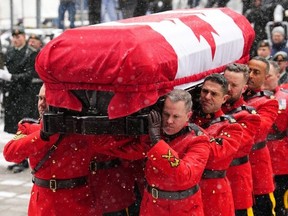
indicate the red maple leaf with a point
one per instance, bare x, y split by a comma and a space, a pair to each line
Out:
201, 28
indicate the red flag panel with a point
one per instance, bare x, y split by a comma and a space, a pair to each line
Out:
142, 58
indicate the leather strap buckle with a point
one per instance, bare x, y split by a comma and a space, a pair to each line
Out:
154, 193
172, 195
53, 184
93, 166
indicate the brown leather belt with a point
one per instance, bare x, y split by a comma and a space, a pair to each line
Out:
212, 174
94, 165
258, 146
239, 161
55, 184
172, 195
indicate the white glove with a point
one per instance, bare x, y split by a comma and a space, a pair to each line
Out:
5, 75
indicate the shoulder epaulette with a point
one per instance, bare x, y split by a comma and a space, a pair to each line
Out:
29, 120
195, 128
266, 93
250, 109
230, 118
284, 90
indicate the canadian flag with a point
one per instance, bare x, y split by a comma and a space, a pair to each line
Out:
141, 59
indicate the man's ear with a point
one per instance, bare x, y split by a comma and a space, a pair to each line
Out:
244, 88
225, 97
189, 114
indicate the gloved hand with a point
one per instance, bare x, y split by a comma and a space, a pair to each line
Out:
43, 134
154, 126
5, 75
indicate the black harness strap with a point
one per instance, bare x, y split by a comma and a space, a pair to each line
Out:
195, 128
265, 93
47, 155
222, 118
212, 174
250, 109
278, 135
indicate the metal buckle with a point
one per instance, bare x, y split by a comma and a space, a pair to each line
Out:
53, 185
93, 166
155, 193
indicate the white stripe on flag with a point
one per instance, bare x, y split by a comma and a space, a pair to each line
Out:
195, 56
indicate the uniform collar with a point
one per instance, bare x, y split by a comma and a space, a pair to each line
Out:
230, 106
169, 138
211, 115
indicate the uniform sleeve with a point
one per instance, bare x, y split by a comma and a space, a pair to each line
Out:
23, 146
163, 160
226, 141
268, 113
27, 128
27, 67
250, 125
126, 147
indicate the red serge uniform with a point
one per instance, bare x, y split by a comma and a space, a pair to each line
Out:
69, 161
239, 173
259, 156
277, 142
216, 191
175, 166
277, 138
112, 183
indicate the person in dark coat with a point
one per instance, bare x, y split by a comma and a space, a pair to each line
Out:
36, 43
17, 74
94, 12
257, 17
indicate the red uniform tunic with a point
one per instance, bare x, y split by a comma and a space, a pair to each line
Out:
216, 192
260, 159
112, 183
70, 160
171, 166
277, 138
176, 166
240, 176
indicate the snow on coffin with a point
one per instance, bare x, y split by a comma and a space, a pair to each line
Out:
141, 59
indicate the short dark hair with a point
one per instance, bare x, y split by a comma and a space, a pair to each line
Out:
263, 43
239, 68
259, 58
220, 79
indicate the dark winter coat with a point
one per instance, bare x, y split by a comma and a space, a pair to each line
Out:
18, 100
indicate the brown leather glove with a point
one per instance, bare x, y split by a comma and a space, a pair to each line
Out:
154, 126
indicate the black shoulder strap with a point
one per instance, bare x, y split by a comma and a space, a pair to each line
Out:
195, 128
230, 118
29, 120
250, 109
265, 93
284, 90
47, 155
